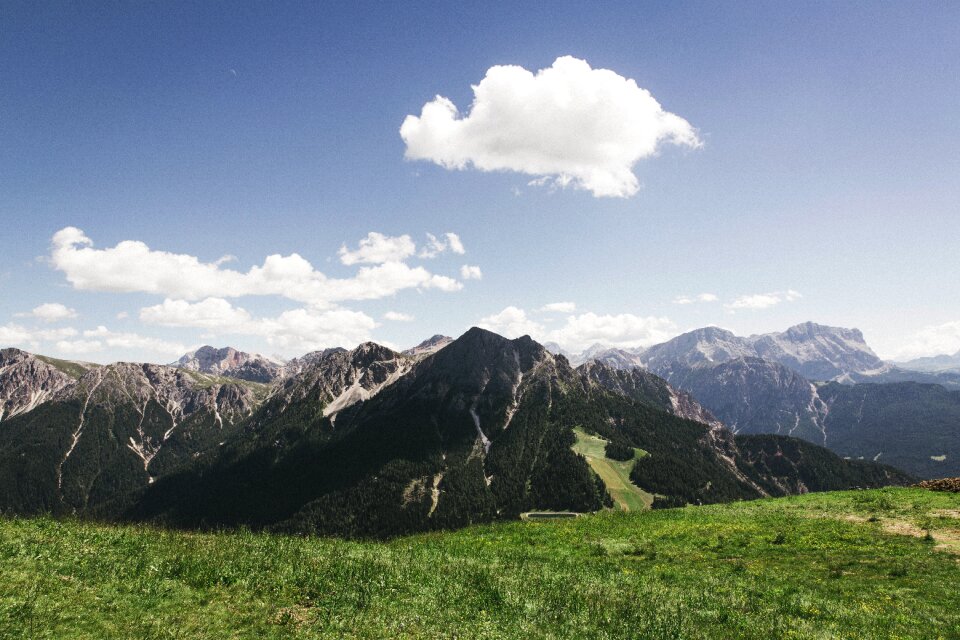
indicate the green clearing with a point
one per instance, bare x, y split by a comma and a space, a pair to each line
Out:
614, 473
815, 566
75, 370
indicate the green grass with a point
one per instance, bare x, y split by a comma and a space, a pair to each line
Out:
614, 473
206, 380
73, 369
815, 566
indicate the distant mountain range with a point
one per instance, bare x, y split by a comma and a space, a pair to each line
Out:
934, 364
370, 441
774, 384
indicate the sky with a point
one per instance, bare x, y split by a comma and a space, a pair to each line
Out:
282, 177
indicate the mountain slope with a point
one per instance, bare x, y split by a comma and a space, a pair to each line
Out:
480, 430
116, 429
912, 426
27, 381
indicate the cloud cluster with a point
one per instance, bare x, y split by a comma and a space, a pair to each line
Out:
96, 339
295, 330
14, 335
763, 300
583, 330
132, 266
568, 125
932, 340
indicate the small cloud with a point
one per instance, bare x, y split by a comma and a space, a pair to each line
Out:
123, 315
470, 272
703, 297
435, 246
763, 300
49, 312
559, 307
566, 125
396, 316
377, 248
79, 347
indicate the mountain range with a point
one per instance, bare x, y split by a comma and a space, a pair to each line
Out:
822, 384
372, 442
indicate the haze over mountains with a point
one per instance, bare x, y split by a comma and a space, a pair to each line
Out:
369, 441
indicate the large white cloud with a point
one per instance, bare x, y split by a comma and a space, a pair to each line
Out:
132, 266
568, 124
585, 329
292, 332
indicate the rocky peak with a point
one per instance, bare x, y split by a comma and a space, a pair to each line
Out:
231, 363
26, 381
428, 346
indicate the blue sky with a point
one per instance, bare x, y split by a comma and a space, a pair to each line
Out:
824, 185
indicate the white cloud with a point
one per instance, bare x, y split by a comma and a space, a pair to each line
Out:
583, 330
620, 330
703, 297
13, 335
435, 246
468, 272
293, 332
932, 340
559, 307
210, 313
568, 124
396, 316
78, 347
131, 266
763, 300
377, 248
50, 312
123, 315
512, 323
134, 341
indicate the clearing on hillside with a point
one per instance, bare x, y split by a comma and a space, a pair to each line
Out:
614, 473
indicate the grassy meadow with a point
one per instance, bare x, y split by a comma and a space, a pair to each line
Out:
863, 564
614, 473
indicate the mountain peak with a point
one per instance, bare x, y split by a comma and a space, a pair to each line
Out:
231, 363
430, 345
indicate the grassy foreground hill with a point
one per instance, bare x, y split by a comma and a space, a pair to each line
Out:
853, 564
